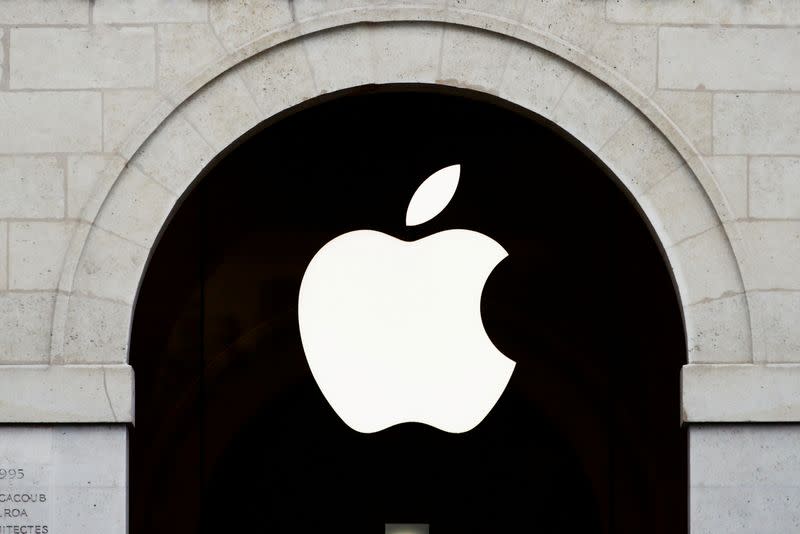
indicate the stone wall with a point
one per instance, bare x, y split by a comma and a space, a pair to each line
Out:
110, 109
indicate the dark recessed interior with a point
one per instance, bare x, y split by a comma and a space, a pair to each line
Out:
232, 433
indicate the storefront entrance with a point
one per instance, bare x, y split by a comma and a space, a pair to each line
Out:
233, 433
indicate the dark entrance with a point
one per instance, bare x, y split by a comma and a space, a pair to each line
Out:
234, 435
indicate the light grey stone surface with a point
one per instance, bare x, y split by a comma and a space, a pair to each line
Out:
755, 59
705, 268
184, 51
757, 123
78, 475
404, 54
740, 392
682, 207
26, 315
718, 330
279, 78
110, 267
775, 188
703, 12
96, 331
632, 50
123, 110
775, 247
64, 121
44, 12
237, 22
475, 56
777, 321
32, 187
79, 58
66, 393
136, 207
174, 155
143, 11
87, 174
223, 112
3, 255
535, 79
36, 252
744, 479
692, 111
730, 173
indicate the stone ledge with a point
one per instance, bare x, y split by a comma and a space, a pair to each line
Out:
66, 394
740, 393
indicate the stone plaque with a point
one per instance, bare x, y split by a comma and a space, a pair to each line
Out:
63, 479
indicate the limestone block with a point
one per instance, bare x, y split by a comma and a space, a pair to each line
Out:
590, 111
474, 59
714, 393
174, 155
756, 123
25, 322
136, 207
36, 253
311, 9
142, 11
89, 177
703, 12
44, 12
64, 121
535, 79
730, 173
718, 331
237, 22
80, 470
222, 111
775, 188
743, 478
509, 9
279, 78
124, 110
32, 187
341, 59
640, 155
574, 21
705, 267
630, 51
110, 267
2, 57
63, 394
774, 254
406, 53
3, 255
184, 51
96, 331
776, 320
691, 111
678, 207
77, 58
755, 59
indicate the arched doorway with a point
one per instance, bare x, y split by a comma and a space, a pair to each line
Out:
232, 431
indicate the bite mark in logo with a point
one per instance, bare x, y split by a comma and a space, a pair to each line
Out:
392, 329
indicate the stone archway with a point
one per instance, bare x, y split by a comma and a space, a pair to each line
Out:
623, 128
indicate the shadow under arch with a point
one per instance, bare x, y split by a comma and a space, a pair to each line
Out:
585, 305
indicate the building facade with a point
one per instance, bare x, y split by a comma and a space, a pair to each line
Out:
110, 110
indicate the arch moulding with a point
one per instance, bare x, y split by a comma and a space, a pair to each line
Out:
195, 123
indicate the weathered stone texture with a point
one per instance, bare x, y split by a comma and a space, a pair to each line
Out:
65, 121
78, 58
754, 59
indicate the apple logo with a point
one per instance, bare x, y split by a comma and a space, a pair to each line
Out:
392, 329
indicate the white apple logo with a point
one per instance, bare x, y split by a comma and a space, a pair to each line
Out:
392, 329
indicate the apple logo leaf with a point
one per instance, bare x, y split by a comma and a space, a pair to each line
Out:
433, 195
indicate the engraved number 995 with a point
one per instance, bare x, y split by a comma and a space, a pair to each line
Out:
11, 474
